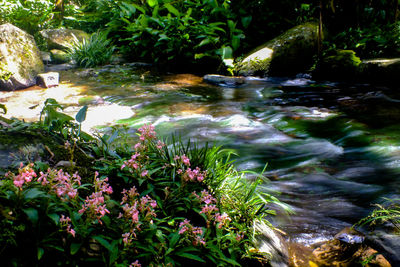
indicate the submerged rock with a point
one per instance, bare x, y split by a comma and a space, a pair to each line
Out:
347, 249
62, 38
224, 80
288, 54
20, 58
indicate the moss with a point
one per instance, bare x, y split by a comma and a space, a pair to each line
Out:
344, 63
5, 74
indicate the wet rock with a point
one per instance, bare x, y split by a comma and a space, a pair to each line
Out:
347, 249
59, 56
388, 244
344, 63
20, 59
224, 80
288, 54
271, 242
350, 236
48, 80
62, 38
60, 67
299, 255
383, 70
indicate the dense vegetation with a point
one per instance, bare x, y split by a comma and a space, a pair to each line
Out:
155, 203
206, 32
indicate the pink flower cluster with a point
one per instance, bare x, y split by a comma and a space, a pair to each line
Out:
25, 175
185, 160
193, 175
195, 234
61, 182
210, 209
136, 211
66, 222
94, 205
134, 163
135, 264
147, 132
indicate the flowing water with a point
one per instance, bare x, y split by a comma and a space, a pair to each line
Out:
332, 149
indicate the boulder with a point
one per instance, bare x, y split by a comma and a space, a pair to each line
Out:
288, 54
383, 70
20, 58
62, 38
344, 64
59, 56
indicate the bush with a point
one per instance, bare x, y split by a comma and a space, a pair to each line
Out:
97, 50
161, 204
176, 32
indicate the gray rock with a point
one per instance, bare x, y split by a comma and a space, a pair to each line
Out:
60, 67
49, 79
288, 54
224, 80
387, 244
62, 38
20, 58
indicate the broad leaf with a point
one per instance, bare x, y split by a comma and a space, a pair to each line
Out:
81, 115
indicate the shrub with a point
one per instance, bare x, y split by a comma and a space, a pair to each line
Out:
97, 50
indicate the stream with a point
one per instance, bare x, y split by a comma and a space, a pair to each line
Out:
332, 148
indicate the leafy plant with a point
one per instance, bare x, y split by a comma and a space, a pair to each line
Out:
97, 50
183, 31
388, 212
175, 204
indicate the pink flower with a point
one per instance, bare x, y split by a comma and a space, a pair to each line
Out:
144, 173
66, 222
135, 264
147, 132
185, 160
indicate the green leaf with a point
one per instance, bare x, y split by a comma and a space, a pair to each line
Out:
174, 239
152, 3
40, 252
191, 256
54, 217
246, 21
103, 242
33, 193
81, 115
226, 52
33, 215
3, 107
75, 247
172, 9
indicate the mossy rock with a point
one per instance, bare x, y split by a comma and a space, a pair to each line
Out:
20, 58
344, 64
62, 38
24, 143
59, 56
290, 53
